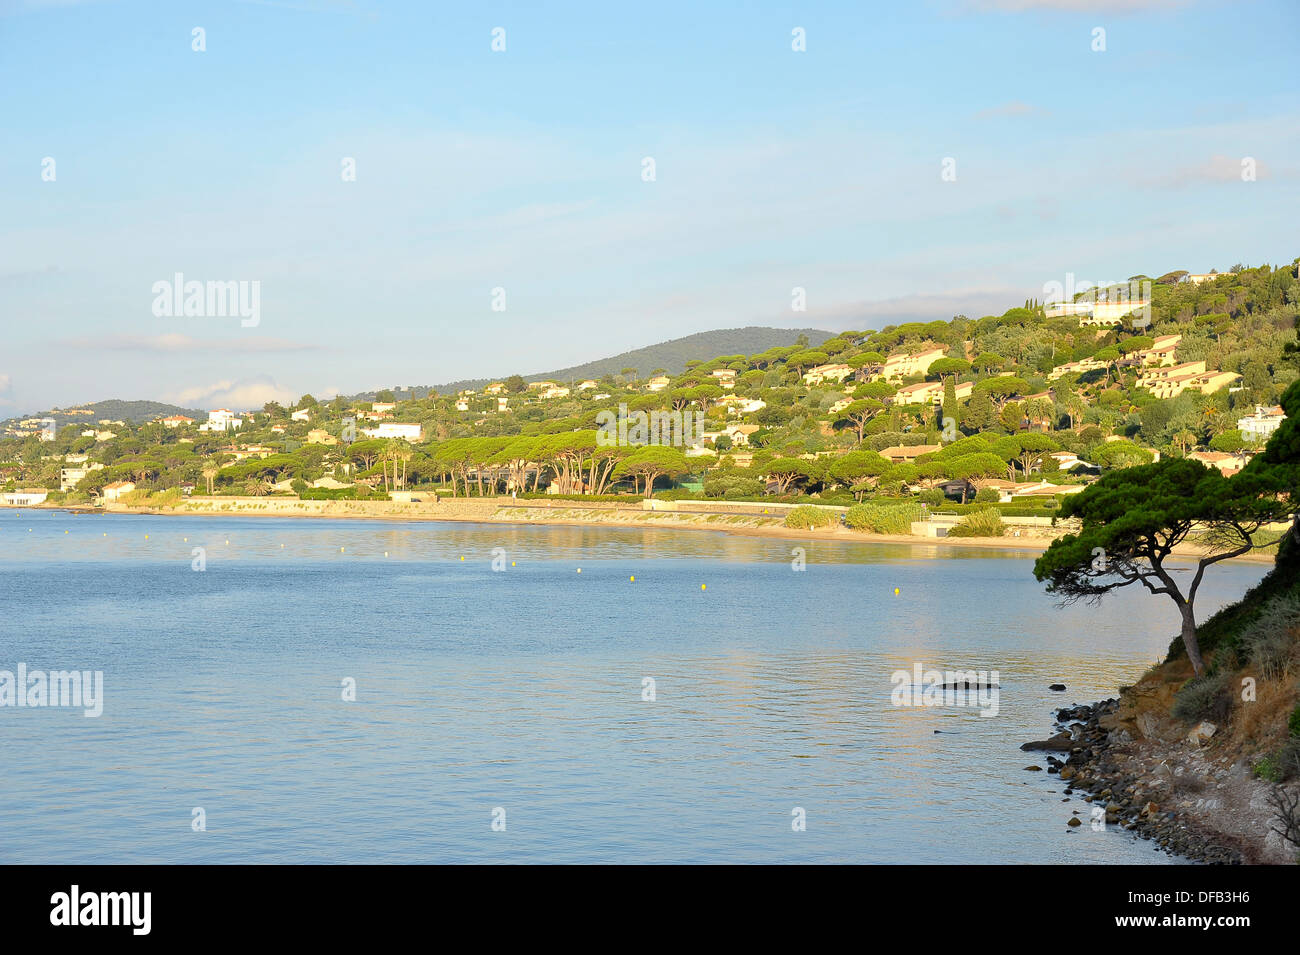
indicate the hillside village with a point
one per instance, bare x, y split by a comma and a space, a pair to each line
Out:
1005, 410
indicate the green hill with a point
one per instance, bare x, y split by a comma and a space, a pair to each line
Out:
671, 356
115, 409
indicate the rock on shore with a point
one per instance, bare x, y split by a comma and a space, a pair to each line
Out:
1136, 794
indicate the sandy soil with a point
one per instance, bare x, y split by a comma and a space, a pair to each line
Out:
1033, 538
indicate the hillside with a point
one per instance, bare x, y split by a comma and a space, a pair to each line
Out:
671, 356
114, 409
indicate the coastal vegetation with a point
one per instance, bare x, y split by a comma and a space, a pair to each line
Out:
1017, 412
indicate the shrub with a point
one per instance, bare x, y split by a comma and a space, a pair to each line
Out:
329, 494
986, 522
806, 516
1207, 697
1272, 640
1293, 724
987, 495
677, 494
1288, 759
1267, 768
744, 488
883, 518
932, 496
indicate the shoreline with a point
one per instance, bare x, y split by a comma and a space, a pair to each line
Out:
489, 512
1168, 791
1034, 538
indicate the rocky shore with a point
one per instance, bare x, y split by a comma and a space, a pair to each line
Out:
1148, 790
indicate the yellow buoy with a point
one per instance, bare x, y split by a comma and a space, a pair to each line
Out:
146, 536
895, 591
385, 553
579, 570
633, 577
462, 557
512, 563
703, 586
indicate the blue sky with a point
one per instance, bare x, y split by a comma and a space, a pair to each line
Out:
522, 170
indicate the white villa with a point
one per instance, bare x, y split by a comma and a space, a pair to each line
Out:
1261, 424
223, 419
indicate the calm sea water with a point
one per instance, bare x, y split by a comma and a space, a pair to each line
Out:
522, 690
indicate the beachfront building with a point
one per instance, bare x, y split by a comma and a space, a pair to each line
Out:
302, 414
176, 421
26, 498
658, 383
116, 491
321, 436
724, 378
1260, 425
588, 385
383, 406
70, 477
1008, 490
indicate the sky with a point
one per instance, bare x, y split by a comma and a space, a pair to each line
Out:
913, 161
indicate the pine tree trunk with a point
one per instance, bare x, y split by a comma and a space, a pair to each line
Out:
1190, 643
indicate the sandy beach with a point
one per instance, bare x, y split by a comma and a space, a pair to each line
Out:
1023, 534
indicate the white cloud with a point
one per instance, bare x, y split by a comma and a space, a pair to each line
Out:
237, 395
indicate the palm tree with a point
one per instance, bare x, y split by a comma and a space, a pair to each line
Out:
259, 487
1212, 418
210, 472
1040, 409
1076, 408
1184, 439
401, 453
